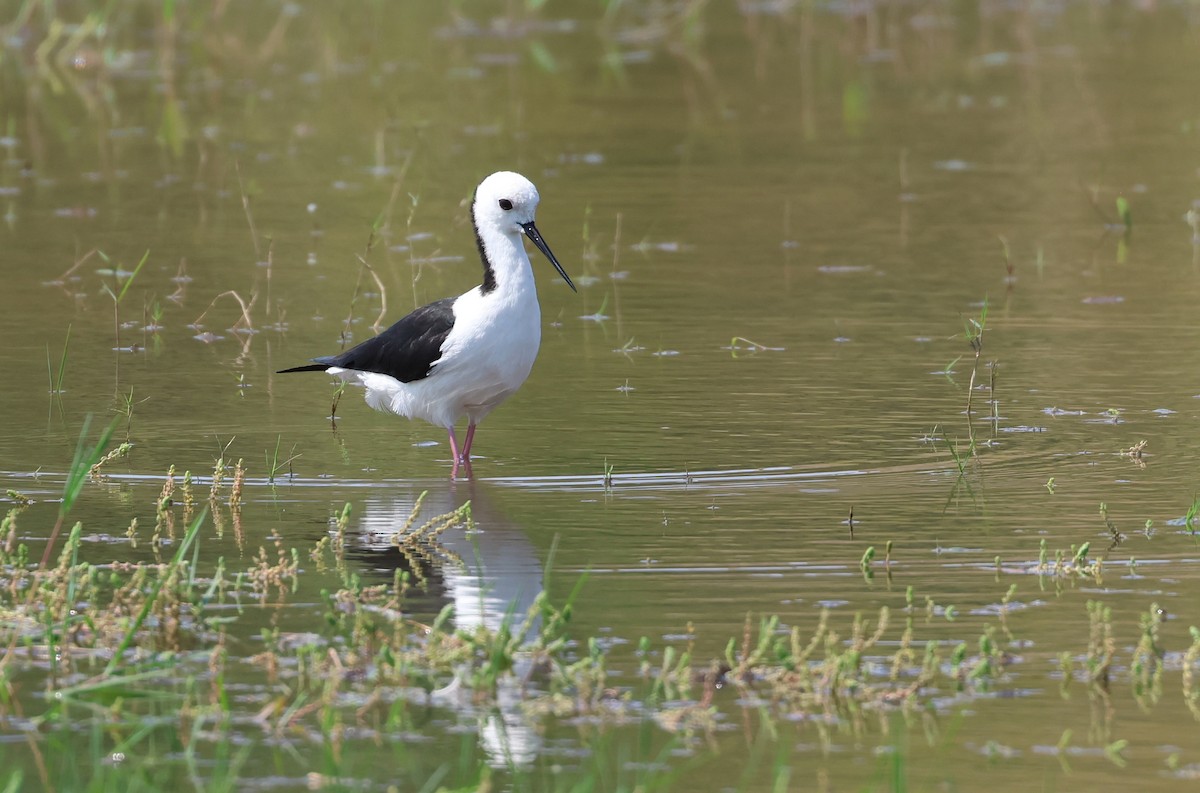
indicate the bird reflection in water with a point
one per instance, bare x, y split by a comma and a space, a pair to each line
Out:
492, 576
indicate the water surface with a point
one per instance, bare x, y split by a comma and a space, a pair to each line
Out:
781, 217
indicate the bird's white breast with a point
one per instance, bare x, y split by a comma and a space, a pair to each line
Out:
493, 344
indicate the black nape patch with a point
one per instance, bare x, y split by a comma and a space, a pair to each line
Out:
489, 275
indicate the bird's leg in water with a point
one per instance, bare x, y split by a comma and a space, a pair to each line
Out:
453, 452
466, 452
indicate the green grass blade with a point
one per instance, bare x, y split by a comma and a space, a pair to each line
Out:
101, 684
1124, 213
62, 363
82, 464
136, 270
14, 782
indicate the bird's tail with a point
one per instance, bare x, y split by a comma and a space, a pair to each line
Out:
312, 367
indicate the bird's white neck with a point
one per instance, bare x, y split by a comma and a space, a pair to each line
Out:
506, 266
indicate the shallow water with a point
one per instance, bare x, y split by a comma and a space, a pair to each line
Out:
780, 217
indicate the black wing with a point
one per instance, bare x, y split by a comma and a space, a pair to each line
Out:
405, 351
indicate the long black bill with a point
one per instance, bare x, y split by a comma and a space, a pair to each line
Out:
536, 238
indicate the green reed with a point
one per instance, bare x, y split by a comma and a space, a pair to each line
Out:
81, 466
56, 380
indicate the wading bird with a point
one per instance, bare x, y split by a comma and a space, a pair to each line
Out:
462, 356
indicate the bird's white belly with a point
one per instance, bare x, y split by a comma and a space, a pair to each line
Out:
485, 358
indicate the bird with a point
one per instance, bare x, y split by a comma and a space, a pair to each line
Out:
462, 356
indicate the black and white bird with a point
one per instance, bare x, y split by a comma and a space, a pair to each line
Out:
462, 356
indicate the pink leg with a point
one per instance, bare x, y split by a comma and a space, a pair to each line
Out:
453, 452
466, 452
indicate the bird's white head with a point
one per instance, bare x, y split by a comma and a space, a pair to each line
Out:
505, 203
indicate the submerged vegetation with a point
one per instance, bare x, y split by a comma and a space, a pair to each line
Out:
141, 652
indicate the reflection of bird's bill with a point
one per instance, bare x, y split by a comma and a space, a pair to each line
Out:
535, 237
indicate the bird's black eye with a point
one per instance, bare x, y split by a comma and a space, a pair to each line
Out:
505, 204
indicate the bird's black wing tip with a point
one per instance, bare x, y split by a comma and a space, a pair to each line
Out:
312, 367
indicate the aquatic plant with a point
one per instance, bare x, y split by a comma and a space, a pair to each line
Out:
140, 635
118, 292
56, 381
974, 329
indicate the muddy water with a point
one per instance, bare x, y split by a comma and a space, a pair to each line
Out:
780, 216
